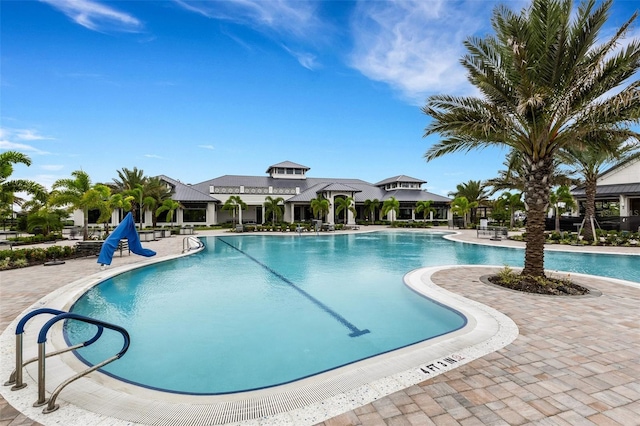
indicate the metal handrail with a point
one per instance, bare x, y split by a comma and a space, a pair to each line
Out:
42, 339
186, 243
16, 377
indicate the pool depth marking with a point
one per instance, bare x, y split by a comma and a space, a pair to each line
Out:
355, 331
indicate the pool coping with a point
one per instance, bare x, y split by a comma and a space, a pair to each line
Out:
100, 399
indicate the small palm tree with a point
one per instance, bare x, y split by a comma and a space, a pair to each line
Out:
272, 207
462, 207
235, 205
391, 205
320, 207
425, 208
561, 200
473, 190
345, 204
77, 194
169, 206
511, 203
8, 188
46, 219
370, 208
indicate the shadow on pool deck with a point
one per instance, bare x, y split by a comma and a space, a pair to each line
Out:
576, 360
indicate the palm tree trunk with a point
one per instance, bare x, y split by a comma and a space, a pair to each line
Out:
537, 203
590, 208
85, 232
556, 212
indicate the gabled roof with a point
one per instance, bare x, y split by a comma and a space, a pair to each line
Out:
338, 187
289, 165
182, 192
400, 178
414, 196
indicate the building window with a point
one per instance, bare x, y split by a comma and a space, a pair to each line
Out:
194, 212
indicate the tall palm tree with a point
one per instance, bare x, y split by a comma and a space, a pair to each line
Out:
425, 208
546, 85
8, 188
272, 207
561, 200
588, 162
320, 207
370, 208
345, 204
77, 194
391, 205
235, 204
462, 207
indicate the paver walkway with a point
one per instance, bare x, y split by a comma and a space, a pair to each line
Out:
575, 362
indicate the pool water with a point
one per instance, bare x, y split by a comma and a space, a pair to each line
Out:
251, 312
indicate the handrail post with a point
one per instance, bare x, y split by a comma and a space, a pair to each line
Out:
41, 375
17, 383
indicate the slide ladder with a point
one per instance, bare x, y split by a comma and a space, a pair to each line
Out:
16, 377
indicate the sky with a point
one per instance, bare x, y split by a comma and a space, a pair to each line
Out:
199, 89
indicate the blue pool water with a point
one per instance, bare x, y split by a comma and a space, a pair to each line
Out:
256, 311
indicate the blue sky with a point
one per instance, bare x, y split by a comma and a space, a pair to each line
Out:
200, 89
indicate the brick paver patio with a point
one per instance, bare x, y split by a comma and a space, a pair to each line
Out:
575, 362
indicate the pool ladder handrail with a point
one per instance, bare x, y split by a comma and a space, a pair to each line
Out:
15, 378
186, 243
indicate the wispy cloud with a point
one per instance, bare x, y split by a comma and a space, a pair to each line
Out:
415, 46
96, 16
52, 167
153, 156
20, 140
206, 147
295, 21
13, 146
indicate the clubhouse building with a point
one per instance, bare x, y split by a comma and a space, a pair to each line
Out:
202, 203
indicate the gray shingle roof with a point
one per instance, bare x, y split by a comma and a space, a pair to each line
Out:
182, 192
409, 195
288, 164
400, 178
604, 190
339, 187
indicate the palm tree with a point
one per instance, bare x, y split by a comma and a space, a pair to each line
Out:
511, 203
462, 207
8, 188
473, 191
345, 204
588, 162
391, 205
169, 206
546, 85
45, 219
561, 200
272, 207
370, 208
235, 205
513, 176
425, 208
320, 207
155, 193
131, 183
77, 194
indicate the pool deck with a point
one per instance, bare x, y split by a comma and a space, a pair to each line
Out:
575, 361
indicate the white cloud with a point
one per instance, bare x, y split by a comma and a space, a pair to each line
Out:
13, 146
52, 167
307, 60
416, 46
206, 146
96, 16
296, 17
30, 135
153, 156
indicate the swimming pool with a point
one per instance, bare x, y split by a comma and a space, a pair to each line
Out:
340, 298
